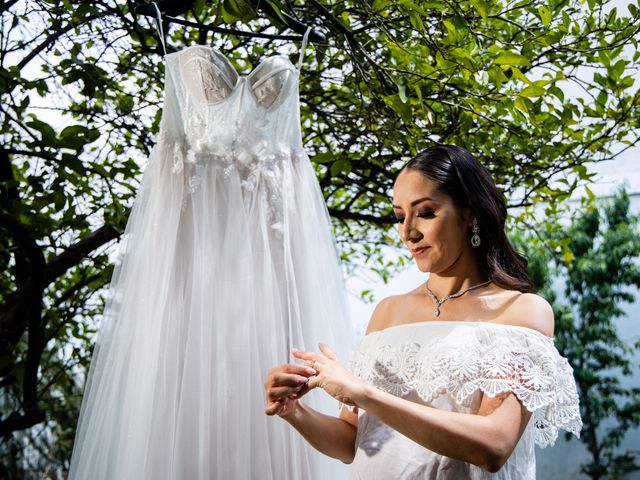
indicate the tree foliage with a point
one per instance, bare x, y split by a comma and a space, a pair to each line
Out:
600, 274
535, 89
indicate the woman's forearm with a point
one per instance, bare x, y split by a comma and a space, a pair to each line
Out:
477, 439
329, 435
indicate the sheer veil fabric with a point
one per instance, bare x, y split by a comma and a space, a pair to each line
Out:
227, 262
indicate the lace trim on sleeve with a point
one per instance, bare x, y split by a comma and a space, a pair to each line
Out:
519, 361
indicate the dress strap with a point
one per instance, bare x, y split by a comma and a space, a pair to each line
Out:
159, 27
305, 39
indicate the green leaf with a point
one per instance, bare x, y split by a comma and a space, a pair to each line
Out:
452, 31
532, 91
73, 130
401, 108
545, 15
481, 8
231, 11
125, 103
231, 6
379, 5
521, 105
416, 21
323, 157
93, 134
402, 84
47, 132
340, 166
550, 38
557, 92
601, 101
276, 9
101, 170
511, 58
566, 20
77, 136
411, 6
431, 5
73, 163
42, 88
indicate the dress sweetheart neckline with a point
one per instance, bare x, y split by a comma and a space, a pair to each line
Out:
247, 75
458, 323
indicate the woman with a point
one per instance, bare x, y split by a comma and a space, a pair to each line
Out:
448, 376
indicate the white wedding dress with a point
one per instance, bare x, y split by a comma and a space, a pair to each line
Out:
227, 262
449, 365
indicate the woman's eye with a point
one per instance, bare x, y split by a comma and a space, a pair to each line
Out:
428, 214
425, 214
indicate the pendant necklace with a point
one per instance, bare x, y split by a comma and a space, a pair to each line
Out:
436, 310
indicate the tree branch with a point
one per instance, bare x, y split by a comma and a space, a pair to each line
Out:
347, 215
23, 238
78, 251
56, 33
17, 421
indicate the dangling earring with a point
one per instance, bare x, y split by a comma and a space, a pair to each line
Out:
475, 238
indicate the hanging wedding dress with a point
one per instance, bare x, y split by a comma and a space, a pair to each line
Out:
227, 262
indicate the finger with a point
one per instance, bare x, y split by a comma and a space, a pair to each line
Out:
311, 359
302, 355
293, 368
299, 369
305, 388
313, 382
301, 390
273, 408
288, 380
327, 351
277, 393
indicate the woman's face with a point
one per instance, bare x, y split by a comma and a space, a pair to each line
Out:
436, 231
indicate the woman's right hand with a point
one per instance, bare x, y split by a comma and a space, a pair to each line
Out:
284, 385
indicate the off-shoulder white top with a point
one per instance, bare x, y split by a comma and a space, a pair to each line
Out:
448, 365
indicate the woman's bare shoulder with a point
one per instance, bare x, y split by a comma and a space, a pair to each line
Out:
383, 313
529, 310
389, 310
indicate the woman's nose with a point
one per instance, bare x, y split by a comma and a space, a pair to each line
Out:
408, 231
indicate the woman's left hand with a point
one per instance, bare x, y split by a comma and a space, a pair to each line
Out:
332, 377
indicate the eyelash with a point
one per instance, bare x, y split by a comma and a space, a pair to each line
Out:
428, 214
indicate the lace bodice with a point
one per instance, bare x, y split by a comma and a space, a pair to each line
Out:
245, 125
449, 365
212, 110
210, 77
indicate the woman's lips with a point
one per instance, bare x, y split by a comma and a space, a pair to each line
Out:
417, 251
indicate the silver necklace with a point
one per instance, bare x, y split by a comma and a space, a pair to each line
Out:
436, 310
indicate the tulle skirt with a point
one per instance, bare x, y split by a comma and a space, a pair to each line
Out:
220, 273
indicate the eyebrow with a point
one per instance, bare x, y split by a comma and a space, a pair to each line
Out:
416, 202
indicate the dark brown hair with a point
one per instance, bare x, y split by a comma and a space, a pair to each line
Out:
461, 176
